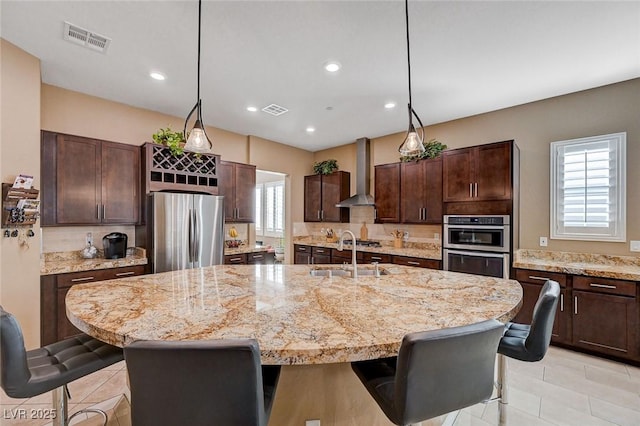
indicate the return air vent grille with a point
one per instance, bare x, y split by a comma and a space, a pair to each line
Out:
274, 109
86, 38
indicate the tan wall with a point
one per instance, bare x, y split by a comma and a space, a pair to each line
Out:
20, 153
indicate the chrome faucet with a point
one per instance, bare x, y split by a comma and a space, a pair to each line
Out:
353, 251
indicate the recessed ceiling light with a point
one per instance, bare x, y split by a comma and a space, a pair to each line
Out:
332, 66
157, 76
252, 109
390, 105
311, 129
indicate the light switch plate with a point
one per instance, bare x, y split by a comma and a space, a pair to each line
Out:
312, 423
634, 246
543, 241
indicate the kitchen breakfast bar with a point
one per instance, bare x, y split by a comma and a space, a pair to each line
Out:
313, 325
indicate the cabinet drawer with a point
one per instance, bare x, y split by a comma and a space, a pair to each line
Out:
539, 277
67, 280
338, 256
605, 285
320, 251
416, 261
303, 249
376, 257
235, 259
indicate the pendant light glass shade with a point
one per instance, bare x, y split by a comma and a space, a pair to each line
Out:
412, 144
198, 141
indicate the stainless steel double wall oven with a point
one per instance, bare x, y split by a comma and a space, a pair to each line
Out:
477, 245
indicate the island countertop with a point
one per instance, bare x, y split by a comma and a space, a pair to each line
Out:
296, 318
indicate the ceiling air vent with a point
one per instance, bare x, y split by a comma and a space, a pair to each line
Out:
274, 109
86, 38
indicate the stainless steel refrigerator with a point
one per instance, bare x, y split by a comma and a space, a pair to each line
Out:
184, 231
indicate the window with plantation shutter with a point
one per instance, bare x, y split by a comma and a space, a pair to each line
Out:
270, 206
588, 190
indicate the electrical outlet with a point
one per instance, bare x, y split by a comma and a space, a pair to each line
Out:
543, 241
634, 246
312, 423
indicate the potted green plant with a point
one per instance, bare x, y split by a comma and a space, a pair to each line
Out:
173, 140
432, 149
325, 167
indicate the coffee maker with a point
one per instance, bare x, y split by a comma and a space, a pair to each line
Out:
115, 245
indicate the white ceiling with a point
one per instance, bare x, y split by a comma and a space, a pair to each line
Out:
467, 58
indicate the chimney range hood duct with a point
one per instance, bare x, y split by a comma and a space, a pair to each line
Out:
362, 197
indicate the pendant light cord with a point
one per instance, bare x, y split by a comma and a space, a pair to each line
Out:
406, 11
199, 24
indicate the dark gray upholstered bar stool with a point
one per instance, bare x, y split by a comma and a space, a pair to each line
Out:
208, 382
29, 373
435, 372
527, 342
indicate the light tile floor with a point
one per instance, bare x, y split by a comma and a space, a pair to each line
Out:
565, 388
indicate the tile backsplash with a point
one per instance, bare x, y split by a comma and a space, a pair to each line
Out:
69, 238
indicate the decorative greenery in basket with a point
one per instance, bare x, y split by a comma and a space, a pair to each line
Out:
174, 140
432, 149
325, 167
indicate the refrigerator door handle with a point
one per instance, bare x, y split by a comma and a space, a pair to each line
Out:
196, 240
190, 242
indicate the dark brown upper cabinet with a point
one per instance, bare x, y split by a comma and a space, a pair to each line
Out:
89, 181
322, 193
479, 173
409, 192
237, 182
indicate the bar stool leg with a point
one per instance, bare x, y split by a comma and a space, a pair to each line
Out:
503, 399
59, 396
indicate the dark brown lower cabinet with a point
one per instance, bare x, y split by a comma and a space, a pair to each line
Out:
599, 315
416, 261
376, 257
261, 258
54, 325
302, 254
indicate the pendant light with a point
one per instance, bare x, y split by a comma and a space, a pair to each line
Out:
412, 144
198, 141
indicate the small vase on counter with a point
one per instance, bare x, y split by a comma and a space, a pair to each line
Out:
364, 232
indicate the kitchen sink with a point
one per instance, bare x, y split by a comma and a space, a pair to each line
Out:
340, 271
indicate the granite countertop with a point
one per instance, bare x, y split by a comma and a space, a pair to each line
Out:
594, 265
296, 318
72, 261
421, 250
246, 249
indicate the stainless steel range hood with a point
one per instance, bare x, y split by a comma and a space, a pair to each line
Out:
362, 197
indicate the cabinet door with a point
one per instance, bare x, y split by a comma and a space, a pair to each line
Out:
226, 185
235, 259
261, 258
416, 261
79, 180
335, 188
605, 323
63, 326
120, 183
387, 196
245, 192
457, 175
492, 168
412, 192
312, 198
530, 294
302, 254
433, 188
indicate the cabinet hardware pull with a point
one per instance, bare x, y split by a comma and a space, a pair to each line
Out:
258, 256
75, 280
320, 251
602, 285
470, 190
476, 187
98, 211
376, 258
302, 249
575, 305
235, 259
104, 212
425, 214
124, 274
318, 214
561, 302
533, 277
411, 262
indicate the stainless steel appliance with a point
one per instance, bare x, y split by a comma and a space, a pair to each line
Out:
477, 245
115, 245
184, 231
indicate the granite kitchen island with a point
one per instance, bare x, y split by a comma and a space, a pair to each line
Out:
313, 325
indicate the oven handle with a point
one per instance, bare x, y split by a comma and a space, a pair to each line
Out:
478, 227
476, 253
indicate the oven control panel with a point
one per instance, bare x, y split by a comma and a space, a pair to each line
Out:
476, 220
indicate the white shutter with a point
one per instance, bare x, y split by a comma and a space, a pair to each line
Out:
588, 188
